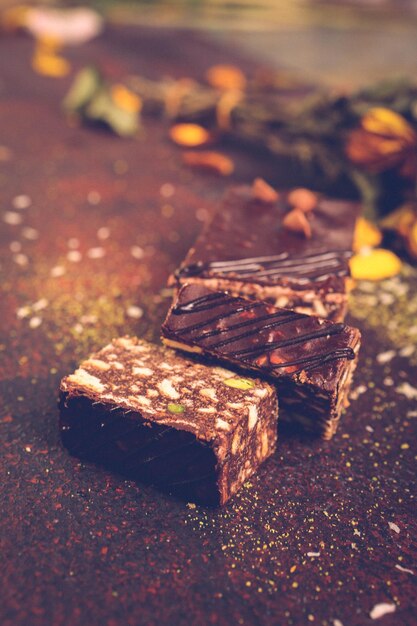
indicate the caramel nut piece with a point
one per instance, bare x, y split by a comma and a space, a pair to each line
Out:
296, 222
263, 192
302, 199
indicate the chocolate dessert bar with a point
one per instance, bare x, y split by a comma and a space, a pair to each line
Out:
310, 360
195, 431
255, 248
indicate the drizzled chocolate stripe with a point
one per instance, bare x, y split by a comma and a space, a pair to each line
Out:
254, 326
318, 266
184, 309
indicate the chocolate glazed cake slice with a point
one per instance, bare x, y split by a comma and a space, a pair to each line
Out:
310, 360
265, 249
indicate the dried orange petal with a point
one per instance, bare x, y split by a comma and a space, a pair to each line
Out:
126, 99
263, 192
210, 160
375, 264
189, 135
366, 235
226, 77
50, 64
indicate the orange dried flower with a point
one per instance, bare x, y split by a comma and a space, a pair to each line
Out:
46, 60
383, 140
189, 135
209, 160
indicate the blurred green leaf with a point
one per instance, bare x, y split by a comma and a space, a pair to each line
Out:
86, 84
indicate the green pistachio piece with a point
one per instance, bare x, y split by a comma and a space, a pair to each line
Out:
175, 408
240, 383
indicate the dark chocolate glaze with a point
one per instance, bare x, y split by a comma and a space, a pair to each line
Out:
247, 242
318, 267
278, 341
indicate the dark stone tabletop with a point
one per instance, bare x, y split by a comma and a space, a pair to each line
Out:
324, 533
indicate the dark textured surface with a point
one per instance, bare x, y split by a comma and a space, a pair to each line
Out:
321, 537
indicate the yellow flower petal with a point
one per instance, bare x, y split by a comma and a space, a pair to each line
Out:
366, 235
375, 265
382, 121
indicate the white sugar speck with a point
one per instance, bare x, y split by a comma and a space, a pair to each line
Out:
73, 243
28, 449
89, 319
22, 202
382, 609
407, 351
411, 414
355, 393
313, 554
103, 233
74, 256
22, 312
404, 569
41, 304
134, 311
35, 322
202, 215
96, 253
407, 390
15, 246
12, 218
369, 429
394, 527
167, 190
57, 271
337, 622
78, 328
137, 252
387, 298
21, 259
30, 233
385, 357
93, 197
388, 381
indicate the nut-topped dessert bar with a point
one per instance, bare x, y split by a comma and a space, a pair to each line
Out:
193, 430
291, 249
310, 360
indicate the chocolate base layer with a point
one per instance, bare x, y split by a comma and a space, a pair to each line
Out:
194, 431
310, 360
247, 251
